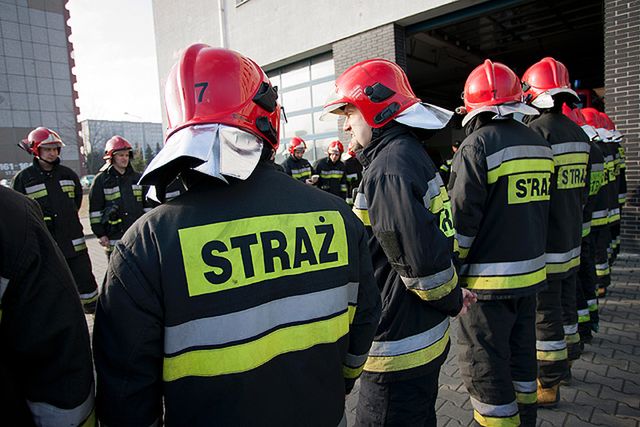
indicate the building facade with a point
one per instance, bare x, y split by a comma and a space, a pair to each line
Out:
36, 81
438, 42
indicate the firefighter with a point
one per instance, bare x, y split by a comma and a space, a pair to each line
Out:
605, 209
500, 188
558, 342
353, 172
295, 165
586, 299
331, 171
445, 167
405, 206
45, 358
57, 190
116, 200
248, 300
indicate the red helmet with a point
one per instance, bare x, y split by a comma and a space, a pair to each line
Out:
491, 83
377, 87
336, 145
295, 143
212, 85
573, 114
548, 75
42, 137
592, 117
116, 143
606, 121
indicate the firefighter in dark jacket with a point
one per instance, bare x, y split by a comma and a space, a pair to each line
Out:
586, 300
405, 206
46, 374
295, 165
57, 190
331, 171
500, 188
558, 342
116, 200
248, 300
353, 173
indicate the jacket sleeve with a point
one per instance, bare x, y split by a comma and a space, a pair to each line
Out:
365, 320
128, 346
412, 238
467, 188
96, 206
78, 193
18, 184
45, 325
285, 166
343, 185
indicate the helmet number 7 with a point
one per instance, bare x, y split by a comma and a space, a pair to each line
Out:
203, 87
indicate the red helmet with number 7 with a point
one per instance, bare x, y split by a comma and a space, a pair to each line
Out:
41, 137
213, 85
378, 88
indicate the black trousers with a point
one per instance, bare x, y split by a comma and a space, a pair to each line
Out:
80, 267
586, 301
601, 238
497, 359
400, 403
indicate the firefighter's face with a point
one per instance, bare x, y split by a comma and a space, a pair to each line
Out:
298, 152
120, 159
356, 126
50, 154
334, 155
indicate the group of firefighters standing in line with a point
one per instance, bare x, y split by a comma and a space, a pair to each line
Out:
255, 299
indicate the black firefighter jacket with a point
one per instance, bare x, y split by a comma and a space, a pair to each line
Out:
59, 194
569, 190
406, 208
299, 169
246, 304
46, 374
500, 190
332, 177
115, 202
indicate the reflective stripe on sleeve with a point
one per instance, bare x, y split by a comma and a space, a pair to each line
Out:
504, 275
519, 159
409, 352
433, 287
462, 244
95, 217
353, 365
79, 244
563, 261
602, 269
361, 209
583, 315
586, 228
551, 350
45, 414
89, 297
111, 193
495, 415
593, 304
36, 191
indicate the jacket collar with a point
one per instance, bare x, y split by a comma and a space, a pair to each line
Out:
380, 143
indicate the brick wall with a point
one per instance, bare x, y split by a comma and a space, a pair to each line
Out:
622, 94
387, 41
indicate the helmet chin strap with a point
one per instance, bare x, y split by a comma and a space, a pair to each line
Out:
53, 163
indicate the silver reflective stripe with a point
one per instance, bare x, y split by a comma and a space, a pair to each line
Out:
570, 329
79, 241
488, 410
360, 202
592, 302
622, 195
65, 182
503, 268
297, 171
172, 195
355, 361
35, 188
433, 189
353, 292
352, 176
4, 282
333, 172
95, 214
111, 190
608, 159
113, 242
145, 210
602, 266
525, 386
136, 187
600, 214
583, 312
586, 225
46, 415
429, 282
597, 167
517, 152
465, 241
89, 295
410, 344
563, 257
615, 211
241, 325
571, 147
551, 345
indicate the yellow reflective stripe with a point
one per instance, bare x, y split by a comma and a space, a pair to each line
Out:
409, 360
114, 222
333, 176
91, 420
363, 214
247, 356
80, 247
570, 159
584, 318
439, 292
38, 194
526, 398
47, 218
113, 196
232, 254
519, 166
516, 281
597, 222
67, 188
89, 300
301, 174
614, 218
572, 339
564, 266
529, 187
512, 421
94, 220
352, 313
352, 373
551, 355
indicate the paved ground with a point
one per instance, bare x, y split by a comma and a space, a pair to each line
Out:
606, 380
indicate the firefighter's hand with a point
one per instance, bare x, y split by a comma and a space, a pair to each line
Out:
104, 241
468, 298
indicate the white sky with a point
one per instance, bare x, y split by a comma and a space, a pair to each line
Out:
115, 55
